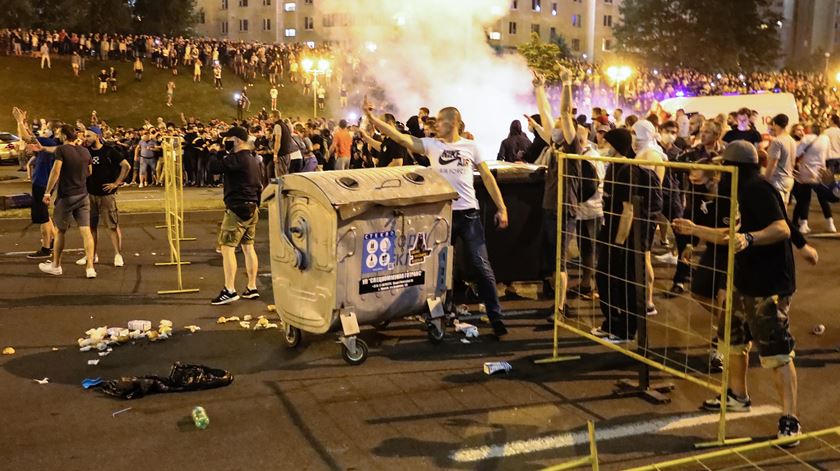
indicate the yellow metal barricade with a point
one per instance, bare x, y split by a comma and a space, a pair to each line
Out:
591, 460
174, 208
680, 336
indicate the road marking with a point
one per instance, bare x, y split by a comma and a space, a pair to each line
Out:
569, 439
15, 254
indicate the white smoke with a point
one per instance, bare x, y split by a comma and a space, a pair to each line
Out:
435, 53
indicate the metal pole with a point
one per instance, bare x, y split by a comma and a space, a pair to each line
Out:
315, 94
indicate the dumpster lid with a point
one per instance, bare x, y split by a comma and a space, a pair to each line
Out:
352, 192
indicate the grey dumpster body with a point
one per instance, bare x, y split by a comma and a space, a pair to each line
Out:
359, 247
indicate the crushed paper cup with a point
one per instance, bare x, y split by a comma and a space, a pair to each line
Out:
493, 367
818, 329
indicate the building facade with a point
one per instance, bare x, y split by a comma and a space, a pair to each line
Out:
585, 24
808, 28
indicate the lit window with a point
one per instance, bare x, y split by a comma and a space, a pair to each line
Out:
576, 21
291, 32
495, 35
291, 6
536, 5
554, 9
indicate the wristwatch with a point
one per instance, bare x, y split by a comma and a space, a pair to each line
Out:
750, 239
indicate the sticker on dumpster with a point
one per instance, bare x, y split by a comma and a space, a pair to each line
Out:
419, 251
379, 252
388, 282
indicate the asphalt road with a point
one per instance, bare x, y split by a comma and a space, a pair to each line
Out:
412, 405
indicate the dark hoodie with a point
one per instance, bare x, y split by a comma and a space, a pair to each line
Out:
517, 143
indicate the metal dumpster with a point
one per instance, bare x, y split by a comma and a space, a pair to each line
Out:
359, 247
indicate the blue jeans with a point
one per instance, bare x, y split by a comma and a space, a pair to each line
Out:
467, 226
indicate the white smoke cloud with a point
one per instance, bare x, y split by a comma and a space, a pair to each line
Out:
434, 53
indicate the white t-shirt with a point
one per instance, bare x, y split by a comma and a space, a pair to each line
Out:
833, 134
812, 152
455, 162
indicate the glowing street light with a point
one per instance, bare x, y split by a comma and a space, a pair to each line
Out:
309, 66
618, 74
837, 77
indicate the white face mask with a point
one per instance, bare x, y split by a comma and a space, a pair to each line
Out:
667, 138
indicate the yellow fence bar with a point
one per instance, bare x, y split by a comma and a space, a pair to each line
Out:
707, 382
174, 207
739, 450
591, 460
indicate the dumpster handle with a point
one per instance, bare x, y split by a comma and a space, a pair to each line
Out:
437, 220
352, 252
385, 183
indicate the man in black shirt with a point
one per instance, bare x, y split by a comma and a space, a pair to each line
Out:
387, 153
109, 169
744, 130
242, 200
764, 281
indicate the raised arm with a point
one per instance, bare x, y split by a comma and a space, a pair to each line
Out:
371, 142
567, 120
410, 142
544, 107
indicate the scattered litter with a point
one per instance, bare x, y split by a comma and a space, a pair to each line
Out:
106, 352
462, 310
818, 329
136, 254
8, 351
245, 324
88, 383
200, 277
271, 308
263, 324
142, 326
192, 328
469, 330
93, 362
154, 253
120, 411
200, 418
247, 317
482, 308
225, 320
465, 341
86, 348
181, 378
42, 381
55, 349
493, 367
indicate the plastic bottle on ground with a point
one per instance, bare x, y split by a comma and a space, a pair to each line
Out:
200, 418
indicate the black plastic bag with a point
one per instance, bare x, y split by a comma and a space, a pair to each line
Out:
181, 378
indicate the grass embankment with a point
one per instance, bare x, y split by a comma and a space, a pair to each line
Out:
56, 94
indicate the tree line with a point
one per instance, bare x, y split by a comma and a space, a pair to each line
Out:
159, 17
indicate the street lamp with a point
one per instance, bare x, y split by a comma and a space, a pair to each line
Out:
618, 74
837, 77
309, 67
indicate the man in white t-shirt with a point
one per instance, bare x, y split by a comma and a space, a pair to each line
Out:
833, 134
454, 158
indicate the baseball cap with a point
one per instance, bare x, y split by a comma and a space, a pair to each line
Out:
237, 132
740, 152
96, 130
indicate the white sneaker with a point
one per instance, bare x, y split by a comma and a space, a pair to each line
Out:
803, 227
48, 267
667, 258
90, 273
83, 261
829, 225
142, 185
118, 261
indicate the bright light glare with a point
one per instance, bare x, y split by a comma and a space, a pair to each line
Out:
353, 116
307, 64
837, 77
323, 65
371, 46
619, 73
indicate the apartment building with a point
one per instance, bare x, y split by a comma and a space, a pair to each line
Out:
586, 24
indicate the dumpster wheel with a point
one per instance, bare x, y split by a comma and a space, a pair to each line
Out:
359, 356
436, 331
291, 335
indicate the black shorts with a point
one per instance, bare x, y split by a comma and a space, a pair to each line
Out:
39, 211
709, 276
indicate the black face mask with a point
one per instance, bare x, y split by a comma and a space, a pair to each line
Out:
229, 146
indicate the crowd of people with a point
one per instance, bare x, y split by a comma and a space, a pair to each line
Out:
87, 162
